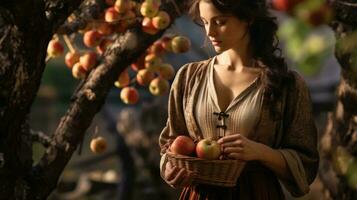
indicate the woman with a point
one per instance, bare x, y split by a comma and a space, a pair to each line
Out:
245, 97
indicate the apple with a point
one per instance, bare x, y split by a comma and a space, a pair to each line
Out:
156, 2
285, 5
111, 15
152, 62
149, 9
148, 27
183, 145
166, 71
71, 58
129, 95
144, 77
103, 45
123, 80
159, 86
98, 145
166, 43
157, 48
78, 71
208, 149
92, 38
88, 60
180, 44
105, 28
121, 6
161, 20
139, 63
55, 48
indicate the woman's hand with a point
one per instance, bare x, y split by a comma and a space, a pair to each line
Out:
177, 177
236, 146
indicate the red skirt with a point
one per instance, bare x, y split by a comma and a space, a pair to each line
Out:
255, 183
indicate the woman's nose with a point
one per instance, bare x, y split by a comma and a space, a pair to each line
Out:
210, 30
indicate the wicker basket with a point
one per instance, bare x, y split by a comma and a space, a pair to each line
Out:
213, 172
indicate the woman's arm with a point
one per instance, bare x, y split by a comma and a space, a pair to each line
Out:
275, 161
236, 146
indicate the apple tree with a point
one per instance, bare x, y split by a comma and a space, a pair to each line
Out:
29, 27
338, 169
28, 31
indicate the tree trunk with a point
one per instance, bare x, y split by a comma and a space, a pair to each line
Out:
26, 26
339, 143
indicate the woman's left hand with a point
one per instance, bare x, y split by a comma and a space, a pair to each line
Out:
237, 146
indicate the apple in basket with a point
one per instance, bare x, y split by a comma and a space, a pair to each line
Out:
208, 149
183, 145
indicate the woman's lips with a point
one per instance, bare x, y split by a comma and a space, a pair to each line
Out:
216, 42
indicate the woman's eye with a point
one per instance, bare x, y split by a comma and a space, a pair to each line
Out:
220, 22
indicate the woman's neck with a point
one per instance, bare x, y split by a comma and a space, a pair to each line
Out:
235, 60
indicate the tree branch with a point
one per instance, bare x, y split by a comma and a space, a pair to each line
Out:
78, 118
40, 137
345, 11
57, 11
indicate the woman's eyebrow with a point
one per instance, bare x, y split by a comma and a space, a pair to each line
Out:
215, 17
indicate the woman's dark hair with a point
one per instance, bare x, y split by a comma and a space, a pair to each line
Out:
262, 28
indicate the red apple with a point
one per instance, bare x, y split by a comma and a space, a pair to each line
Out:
111, 15
71, 58
208, 149
144, 77
123, 80
122, 6
98, 145
166, 71
183, 145
159, 86
152, 62
149, 9
166, 43
285, 5
161, 20
103, 45
55, 48
148, 27
88, 60
157, 48
92, 38
129, 95
105, 28
180, 44
78, 71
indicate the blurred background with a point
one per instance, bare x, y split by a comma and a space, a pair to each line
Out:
129, 168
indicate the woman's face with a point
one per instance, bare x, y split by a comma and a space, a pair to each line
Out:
224, 31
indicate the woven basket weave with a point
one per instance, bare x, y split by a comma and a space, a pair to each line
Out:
213, 172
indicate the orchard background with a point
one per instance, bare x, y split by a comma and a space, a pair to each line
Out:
84, 84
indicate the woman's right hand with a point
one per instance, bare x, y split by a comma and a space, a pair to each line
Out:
177, 177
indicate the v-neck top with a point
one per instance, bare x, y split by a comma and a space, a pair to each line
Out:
191, 104
240, 116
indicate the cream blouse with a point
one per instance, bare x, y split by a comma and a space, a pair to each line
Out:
240, 116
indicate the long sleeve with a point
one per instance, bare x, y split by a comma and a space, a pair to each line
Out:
175, 124
299, 139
